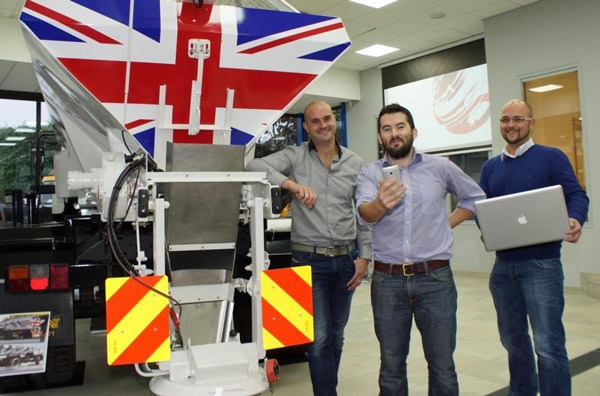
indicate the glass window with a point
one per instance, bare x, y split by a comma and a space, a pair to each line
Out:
555, 102
17, 133
471, 163
339, 114
26, 159
281, 134
284, 132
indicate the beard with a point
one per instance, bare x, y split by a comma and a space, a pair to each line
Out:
400, 151
516, 140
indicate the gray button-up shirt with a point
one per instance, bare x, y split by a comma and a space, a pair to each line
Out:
332, 221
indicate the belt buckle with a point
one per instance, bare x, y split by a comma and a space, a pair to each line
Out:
330, 251
404, 269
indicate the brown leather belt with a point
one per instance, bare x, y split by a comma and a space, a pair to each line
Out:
410, 269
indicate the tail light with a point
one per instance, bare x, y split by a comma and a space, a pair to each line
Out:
38, 277
18, 278
59, 277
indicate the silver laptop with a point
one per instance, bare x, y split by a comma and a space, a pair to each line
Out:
522, 219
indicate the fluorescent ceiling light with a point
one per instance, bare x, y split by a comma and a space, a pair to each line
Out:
15, 138
374, 3
546, 88
7, 144
377, 50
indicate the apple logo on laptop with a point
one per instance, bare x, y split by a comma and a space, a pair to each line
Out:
522, 219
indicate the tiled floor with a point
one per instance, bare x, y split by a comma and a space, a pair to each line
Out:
480, 359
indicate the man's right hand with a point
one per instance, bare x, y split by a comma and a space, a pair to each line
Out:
390, 193
304, 194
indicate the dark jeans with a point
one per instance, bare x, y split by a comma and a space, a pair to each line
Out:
331, 310
432, 300
532, 289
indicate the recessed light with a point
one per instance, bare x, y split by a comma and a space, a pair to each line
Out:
437, 15
15, 138
7, 144
25, 130
377, 50
374, 3
546, 88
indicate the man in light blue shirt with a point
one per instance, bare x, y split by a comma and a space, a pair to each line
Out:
412, 240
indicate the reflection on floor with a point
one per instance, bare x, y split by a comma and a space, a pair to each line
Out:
480, 359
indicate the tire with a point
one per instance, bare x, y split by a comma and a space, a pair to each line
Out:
14, 362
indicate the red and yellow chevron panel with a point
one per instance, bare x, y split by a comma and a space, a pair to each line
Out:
137, 320
287, 307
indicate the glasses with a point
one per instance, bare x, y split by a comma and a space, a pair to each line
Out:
516, 120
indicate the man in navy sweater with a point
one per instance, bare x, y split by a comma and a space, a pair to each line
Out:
527, 282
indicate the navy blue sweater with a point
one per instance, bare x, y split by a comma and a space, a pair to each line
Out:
540, 166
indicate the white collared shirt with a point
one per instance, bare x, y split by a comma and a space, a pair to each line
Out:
520, 150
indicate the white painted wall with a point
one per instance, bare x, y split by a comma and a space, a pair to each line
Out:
12, 42
340, 83
334, 86
362, 116
545, 36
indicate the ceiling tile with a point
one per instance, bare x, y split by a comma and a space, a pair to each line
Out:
356, 30
499, 7
408, 25
408, 8
447, 11
465, 23
347, 10
433, 32
407, 42
376, 18
377, 36
523, 2
312, 6
469, 5
452, 37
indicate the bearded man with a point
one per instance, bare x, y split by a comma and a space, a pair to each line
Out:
412, 242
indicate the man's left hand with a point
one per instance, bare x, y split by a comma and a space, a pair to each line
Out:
360, 269
573, 234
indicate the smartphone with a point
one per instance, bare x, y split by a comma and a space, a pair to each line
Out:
391, 172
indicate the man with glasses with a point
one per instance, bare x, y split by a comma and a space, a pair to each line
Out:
527, 282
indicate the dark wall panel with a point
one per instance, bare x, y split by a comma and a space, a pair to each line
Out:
446, 61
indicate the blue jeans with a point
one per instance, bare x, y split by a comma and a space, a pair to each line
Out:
331, 310
532, 289
431, 299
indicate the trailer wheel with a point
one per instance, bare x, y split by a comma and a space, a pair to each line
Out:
272, 370
14, 362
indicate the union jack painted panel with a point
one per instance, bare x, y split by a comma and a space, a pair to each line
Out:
111, 60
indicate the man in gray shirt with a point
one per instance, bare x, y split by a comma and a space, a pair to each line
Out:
321, 174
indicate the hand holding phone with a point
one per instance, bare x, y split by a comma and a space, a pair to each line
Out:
391, 173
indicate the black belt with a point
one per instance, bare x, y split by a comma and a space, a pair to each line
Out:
410, 269
328, 251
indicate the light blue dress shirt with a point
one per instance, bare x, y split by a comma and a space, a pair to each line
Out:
417, 229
